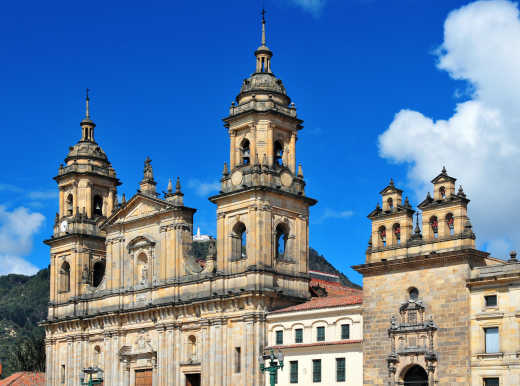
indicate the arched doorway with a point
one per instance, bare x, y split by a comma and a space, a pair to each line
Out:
416, 376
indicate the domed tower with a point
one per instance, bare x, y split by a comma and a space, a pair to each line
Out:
263, 213
87, 186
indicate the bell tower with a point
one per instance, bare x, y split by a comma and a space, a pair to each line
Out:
87, 186
262, 210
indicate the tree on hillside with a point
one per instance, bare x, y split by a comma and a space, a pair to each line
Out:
28, 354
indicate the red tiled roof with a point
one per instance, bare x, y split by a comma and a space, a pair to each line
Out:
24, 379
345, 341
337, 295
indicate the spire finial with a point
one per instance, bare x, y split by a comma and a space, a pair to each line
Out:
170, 189
263, 26
178, 186
87, 109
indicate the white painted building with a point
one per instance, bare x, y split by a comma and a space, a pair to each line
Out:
321, 339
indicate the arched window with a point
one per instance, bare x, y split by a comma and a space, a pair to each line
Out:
397, 233
142, 268
65, 277
192, 348
442, 191
278, 153
413, 293
382, 234
98, 205
434, 223
390, 203
99, 272
450, 222
245, 152
282, 234
70, 205
239, 247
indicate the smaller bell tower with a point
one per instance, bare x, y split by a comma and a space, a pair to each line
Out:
87, 186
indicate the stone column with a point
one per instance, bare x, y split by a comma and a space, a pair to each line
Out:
292, 149
107, 358
49, 367
115, 358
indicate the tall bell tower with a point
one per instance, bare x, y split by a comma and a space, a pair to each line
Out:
262, 209
87, 186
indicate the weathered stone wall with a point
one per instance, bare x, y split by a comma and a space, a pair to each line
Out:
445, 296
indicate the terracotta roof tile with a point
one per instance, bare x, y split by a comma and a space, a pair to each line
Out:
337, 295
24, 379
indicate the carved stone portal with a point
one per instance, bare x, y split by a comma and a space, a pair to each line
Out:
412, 343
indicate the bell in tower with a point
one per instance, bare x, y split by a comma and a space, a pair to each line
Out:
262, 210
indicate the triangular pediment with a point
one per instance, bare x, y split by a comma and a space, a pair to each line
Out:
138, 206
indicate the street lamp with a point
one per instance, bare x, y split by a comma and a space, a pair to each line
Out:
275, 363
90, 371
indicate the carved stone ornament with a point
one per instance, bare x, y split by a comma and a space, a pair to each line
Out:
412, 343
286, 178
236, 177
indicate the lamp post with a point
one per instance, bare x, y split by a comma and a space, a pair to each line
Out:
90, 371
275, 363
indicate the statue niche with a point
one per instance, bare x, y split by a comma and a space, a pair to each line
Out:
142, 252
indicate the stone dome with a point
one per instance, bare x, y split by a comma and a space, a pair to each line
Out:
263, 83
87, 150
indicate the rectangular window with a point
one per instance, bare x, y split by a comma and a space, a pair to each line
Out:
237, 359
340, 369
320, 334
316, 370
491, 334
345, 331
491, 300
491, 382
279, 337
62, 374
294, 372
298, 335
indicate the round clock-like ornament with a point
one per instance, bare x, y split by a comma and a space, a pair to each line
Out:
236, 177
286, 178
64, 226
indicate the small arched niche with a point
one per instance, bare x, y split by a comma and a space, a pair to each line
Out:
65, 277
396, 229
69, 205
192, 348
278, 153
450, 223
382, 235
434, 224
282, 236
97, 205
239, 247
99, 273
245, 152
142, 268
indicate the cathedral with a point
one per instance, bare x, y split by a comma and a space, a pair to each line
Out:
127, 294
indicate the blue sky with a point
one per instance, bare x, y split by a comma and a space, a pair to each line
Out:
364, 74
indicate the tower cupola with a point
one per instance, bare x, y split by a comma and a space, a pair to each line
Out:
263, 53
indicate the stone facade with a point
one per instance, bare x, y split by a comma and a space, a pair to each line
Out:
127, 294
416, 307
495, 303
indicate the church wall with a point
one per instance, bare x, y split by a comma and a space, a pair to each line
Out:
445, 296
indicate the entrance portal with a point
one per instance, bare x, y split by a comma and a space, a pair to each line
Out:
416, 376
192, 379
143, 377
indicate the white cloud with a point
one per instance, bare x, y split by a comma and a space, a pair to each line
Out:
480, 142
17, 228
312, 6
329, 214
15, 264
203, 188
